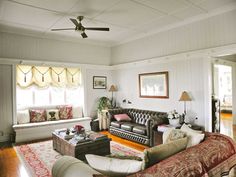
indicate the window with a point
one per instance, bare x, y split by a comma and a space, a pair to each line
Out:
42, 86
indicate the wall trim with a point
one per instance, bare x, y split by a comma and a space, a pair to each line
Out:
209, 52
15, 61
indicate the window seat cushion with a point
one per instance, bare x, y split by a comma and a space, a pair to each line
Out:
47, 123
41, 130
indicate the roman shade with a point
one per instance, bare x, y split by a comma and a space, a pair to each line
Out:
43, 76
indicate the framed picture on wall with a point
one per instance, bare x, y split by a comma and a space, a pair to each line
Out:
99, 82
154, 85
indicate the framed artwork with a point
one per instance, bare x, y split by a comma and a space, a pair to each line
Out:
154, 85
99, 82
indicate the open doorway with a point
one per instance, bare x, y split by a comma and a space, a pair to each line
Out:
223, 94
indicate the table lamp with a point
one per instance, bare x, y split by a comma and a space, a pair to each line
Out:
185, 97
112, 89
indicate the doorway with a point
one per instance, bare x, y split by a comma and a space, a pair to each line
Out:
223, 92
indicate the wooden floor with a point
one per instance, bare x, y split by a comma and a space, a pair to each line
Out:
11, 166
125, 142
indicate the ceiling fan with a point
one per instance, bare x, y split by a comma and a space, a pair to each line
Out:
80, 27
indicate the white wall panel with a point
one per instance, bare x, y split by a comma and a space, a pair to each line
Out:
186, 74
33, 48
6, 110
92, 95
215, 31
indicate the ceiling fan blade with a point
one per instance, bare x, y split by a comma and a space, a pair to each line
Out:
74, 21
62, 29
84, 35
98, 29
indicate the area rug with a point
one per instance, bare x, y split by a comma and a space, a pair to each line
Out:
38, 158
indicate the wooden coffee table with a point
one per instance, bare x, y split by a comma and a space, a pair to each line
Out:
79, 150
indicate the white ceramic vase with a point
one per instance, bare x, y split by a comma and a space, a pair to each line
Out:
174, 122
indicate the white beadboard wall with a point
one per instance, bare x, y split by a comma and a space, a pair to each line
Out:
6, 104
92, 95
212, 32
234, 93
185, 74
34, 48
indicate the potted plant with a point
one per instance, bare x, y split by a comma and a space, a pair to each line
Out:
174, 118
103, 103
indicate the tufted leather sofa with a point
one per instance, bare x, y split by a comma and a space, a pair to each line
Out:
140, 129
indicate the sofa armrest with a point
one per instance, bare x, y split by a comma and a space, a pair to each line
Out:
149, 125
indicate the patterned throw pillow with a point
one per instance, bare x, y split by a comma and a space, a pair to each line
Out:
65, 112
52, 114
174, 135
38, 115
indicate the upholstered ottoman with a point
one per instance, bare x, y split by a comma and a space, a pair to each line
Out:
68, 166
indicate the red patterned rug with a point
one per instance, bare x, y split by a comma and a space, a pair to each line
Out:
38, 158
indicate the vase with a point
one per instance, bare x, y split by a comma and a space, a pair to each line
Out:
174, 122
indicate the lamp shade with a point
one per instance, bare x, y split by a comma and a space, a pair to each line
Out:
113, 88
185, 96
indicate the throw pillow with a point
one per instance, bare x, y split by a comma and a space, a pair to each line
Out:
122, 117
23, 116
112, 166
157, 153
194, 137
52, 114
117, 156
65, 112
77, 111
175, 134
166, 134
38, 115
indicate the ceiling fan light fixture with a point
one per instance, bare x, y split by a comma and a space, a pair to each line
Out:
84, 35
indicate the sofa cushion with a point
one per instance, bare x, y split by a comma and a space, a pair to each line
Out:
37, 115
140, 130
194, 137
112, 166
157, 153
116, 124
23, 116
65, 112
173, 134
127, 126
122, 117
52, 114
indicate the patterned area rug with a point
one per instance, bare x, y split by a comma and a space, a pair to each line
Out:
38, 158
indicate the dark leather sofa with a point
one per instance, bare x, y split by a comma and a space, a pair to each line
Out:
140, 129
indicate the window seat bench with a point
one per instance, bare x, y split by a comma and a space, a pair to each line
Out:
40, 130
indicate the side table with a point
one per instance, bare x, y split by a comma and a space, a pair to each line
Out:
103, 120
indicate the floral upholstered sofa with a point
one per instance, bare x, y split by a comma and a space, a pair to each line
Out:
214, 157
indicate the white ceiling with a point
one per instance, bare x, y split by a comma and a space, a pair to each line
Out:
127, 19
